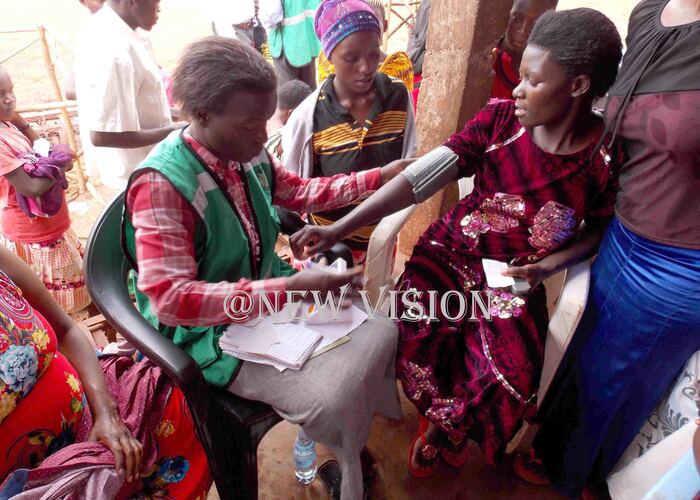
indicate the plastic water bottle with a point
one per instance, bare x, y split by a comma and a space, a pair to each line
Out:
304, 451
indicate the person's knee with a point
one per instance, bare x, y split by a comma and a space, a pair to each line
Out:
383, 334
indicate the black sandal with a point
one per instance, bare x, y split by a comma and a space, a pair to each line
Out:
331, 477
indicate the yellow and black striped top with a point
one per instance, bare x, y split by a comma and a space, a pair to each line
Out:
342, 145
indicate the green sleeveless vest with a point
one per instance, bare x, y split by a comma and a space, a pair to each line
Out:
222, 249
295, 35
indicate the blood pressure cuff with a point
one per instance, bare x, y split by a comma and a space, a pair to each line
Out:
431, 172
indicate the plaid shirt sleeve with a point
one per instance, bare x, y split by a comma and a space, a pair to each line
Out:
164, 226
319, 194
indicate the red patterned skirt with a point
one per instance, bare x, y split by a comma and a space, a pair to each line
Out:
475, 379
47, 420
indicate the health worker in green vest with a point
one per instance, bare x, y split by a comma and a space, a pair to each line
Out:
200, 228
294, 45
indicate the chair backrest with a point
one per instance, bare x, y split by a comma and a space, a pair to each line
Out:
379, 264
106, 272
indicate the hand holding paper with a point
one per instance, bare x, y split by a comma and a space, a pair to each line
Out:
493, 270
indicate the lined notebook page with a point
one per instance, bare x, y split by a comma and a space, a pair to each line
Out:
294, 346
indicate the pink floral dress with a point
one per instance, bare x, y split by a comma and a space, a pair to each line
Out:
42, 403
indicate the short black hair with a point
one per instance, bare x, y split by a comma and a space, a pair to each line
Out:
582, 41
212, 68
290, 94
551, 3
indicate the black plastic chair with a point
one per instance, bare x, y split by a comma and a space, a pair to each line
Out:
230, 428
291, 222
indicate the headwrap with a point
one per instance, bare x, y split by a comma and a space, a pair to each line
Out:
338, 19
379, 11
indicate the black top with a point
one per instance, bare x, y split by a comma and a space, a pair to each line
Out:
341, 145
656, 100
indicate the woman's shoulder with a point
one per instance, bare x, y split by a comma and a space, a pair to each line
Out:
499, 116
492, 125
500, 106
643, 18
646, 10
389, 85
13, 138
303, 115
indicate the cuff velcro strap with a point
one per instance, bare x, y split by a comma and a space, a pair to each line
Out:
431, 172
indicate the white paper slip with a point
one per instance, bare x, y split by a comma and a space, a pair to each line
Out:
333, 331
287, 345
253, 358
328, 315
493, 270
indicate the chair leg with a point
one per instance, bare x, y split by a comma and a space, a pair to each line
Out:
235, 470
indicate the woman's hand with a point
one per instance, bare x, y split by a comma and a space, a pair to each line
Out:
69, 166
109, 429
324, 281
394, 168
533, 273
316, 238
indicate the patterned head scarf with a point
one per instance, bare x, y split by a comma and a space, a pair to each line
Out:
338, 19
379, 11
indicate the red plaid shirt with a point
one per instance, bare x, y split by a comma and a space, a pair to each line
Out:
165, 225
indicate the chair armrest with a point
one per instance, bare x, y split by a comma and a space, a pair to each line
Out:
380, 252
564, 320
120, 312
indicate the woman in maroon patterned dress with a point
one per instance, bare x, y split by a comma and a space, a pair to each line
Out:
539, 173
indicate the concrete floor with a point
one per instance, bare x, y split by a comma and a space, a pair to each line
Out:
389, 441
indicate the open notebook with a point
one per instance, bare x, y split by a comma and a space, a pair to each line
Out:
287, 345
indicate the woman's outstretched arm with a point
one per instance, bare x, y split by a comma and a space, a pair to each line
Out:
392, 197
108, 427
415, 184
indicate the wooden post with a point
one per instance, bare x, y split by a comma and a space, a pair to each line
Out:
65, 117
456, 84
390, 6
388, 10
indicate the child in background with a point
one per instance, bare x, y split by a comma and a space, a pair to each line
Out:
47, 244
509, 51
289, 96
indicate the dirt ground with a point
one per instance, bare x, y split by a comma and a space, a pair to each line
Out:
181, 21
